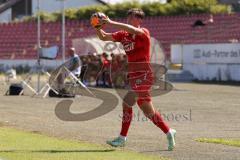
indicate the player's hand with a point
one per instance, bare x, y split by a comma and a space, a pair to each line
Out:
99, 19
106, 20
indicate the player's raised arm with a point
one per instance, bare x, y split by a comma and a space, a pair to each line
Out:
103, 35
135, 16
126, 27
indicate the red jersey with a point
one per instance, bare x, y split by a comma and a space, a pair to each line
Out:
137, 47
106, 62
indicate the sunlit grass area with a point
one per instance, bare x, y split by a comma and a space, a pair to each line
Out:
19, 145
230, 142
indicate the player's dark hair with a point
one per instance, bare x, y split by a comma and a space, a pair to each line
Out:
136, 12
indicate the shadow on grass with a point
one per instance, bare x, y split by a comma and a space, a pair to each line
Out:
154, 151
56, 151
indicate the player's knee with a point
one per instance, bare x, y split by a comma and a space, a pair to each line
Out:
149, 114
142, 101
128, 103
145, 106
129, 99
127, 108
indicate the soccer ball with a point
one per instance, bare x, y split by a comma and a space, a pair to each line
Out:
97, 19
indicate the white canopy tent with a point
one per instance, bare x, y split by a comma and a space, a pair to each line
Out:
93, 45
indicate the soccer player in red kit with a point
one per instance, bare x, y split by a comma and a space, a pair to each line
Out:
136, 43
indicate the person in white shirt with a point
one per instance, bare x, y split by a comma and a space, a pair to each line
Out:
73, 64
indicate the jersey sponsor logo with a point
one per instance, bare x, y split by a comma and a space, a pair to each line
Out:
129, 46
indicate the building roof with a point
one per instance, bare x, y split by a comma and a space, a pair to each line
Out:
102, 1
7, 5
10, 3
229, 1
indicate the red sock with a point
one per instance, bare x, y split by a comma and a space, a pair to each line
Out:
126, 121
158, 121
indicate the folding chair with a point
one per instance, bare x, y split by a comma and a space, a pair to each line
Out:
76, 81
74, 87
44, 54
47, 54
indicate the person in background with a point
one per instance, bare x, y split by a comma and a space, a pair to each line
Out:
73, 64
103, 75
202, 23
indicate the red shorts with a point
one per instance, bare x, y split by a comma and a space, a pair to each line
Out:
141, 84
